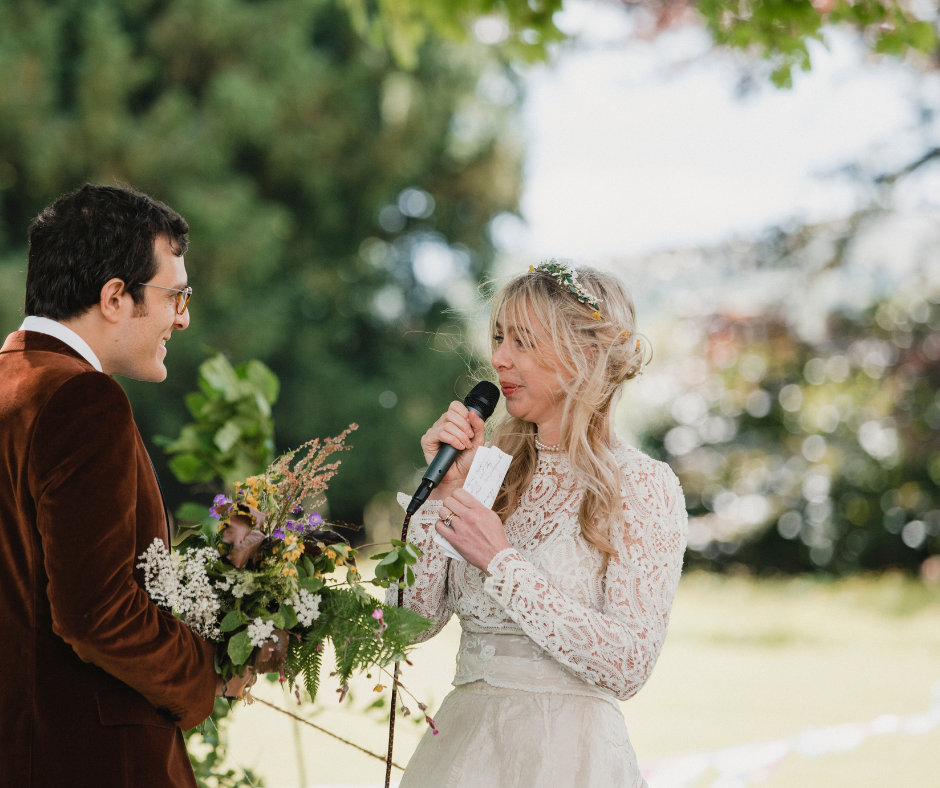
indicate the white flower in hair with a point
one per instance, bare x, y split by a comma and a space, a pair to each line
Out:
567, 277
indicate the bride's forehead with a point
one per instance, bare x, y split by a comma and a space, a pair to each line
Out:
518, 316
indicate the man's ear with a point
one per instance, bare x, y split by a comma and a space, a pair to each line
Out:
113, 303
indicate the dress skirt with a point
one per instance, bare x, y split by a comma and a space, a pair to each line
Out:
493, 737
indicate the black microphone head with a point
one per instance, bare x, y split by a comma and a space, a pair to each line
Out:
483, 398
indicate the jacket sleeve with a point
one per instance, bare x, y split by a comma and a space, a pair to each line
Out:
83, 476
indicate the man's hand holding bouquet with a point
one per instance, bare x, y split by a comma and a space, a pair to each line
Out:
259, 578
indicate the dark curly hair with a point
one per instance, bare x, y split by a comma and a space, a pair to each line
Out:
91, 236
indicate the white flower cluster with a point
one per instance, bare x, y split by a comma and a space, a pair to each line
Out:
306, 606
178, 582
260, 631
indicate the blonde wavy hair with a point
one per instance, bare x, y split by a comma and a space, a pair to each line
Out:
594, 358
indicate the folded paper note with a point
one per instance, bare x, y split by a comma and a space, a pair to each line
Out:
486, 475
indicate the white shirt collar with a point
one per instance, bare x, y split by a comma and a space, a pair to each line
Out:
43, 325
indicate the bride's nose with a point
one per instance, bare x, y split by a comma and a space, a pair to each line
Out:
501, 358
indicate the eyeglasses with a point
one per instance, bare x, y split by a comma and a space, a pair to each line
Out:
182, 296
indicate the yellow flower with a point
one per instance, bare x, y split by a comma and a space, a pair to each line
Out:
288, 571
330, 553
378, 688
596, 315
290, 539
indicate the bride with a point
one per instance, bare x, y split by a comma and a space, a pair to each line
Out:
565, 596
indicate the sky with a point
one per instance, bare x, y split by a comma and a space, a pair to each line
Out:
634, 147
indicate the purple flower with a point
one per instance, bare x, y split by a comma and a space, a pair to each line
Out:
218, 504
278, 533
290, 525
298, 509
314, 520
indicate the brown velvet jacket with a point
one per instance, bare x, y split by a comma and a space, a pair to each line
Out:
95, 681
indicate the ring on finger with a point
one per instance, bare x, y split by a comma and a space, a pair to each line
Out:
447, 520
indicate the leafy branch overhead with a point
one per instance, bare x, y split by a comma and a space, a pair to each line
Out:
778, 30
232, 433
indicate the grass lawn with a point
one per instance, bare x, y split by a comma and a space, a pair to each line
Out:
746, 661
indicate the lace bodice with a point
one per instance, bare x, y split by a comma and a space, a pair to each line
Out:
603, 628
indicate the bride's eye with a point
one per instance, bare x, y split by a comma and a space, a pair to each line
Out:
498, 339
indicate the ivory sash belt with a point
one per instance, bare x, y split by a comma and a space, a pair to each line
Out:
516, 662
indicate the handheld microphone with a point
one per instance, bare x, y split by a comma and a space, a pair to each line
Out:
482, 399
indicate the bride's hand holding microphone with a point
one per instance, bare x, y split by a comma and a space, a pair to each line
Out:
475, 531
461, 428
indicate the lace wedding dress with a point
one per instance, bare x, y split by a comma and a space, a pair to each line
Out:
550, 639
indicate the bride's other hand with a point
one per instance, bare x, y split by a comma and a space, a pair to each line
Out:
461, 428
476, 532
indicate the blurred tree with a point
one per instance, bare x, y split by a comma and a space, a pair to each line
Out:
800, 456
778, 30
338, 204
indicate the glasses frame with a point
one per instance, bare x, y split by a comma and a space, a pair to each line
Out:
182, 299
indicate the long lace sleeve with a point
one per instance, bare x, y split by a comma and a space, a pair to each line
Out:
615, 647
428, 596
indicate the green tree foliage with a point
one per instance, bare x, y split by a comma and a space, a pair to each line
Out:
525, 28
781, 29
208, 751
332, 196
800, 455
233, 432
778, 30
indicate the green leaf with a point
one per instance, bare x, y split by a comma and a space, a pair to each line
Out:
240, 648
192, 512
189, 469
233, 620
411, 576
264, 380
218, 373
195, 402
923, 36
288, 615
228, 436
192, 542
390, 558
312, 584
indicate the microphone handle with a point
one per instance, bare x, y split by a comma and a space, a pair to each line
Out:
441, 464
436, 471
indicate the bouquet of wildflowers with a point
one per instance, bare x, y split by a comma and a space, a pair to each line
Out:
262, 578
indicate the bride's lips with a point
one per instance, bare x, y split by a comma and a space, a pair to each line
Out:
509, 389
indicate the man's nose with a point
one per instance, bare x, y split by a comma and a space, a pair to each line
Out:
182, 321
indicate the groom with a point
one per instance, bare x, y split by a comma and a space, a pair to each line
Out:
96, 682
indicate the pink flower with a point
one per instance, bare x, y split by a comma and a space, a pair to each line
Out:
377, 614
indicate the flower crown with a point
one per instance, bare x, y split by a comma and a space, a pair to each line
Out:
568, 278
